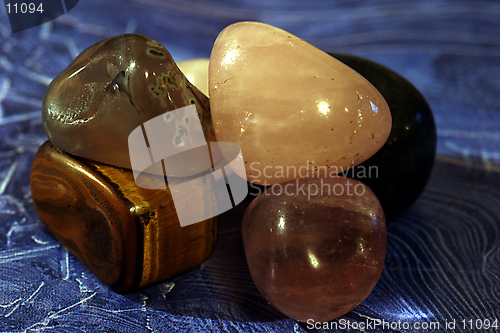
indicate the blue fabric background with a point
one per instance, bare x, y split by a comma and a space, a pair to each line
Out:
443, 259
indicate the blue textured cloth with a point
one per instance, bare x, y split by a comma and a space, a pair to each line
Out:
443, 257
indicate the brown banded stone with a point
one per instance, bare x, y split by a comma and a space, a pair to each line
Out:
128, 236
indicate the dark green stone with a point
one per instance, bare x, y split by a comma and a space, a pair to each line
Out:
405, 162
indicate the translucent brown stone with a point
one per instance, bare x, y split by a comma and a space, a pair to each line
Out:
315, 247
110, 89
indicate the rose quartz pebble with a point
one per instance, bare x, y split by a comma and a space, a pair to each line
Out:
315, 247
289, 104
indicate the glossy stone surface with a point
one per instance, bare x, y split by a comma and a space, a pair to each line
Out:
405, 161
313, 254
196, 71
288, 104
128, 236
111, 88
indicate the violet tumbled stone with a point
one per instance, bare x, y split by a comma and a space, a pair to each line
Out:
315, 247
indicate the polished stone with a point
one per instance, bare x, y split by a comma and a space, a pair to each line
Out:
196, 71
128, 236
110, 89
315, 247
288, 104
403, 165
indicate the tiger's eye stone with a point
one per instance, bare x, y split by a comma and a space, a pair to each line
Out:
315, 247
288, 104
110, 89
404, 164
128, 236
196, 71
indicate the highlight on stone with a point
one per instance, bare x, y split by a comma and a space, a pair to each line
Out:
285, 102
111, 88
315, 247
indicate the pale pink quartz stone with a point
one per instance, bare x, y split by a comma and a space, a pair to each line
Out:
315, 253
292, 108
